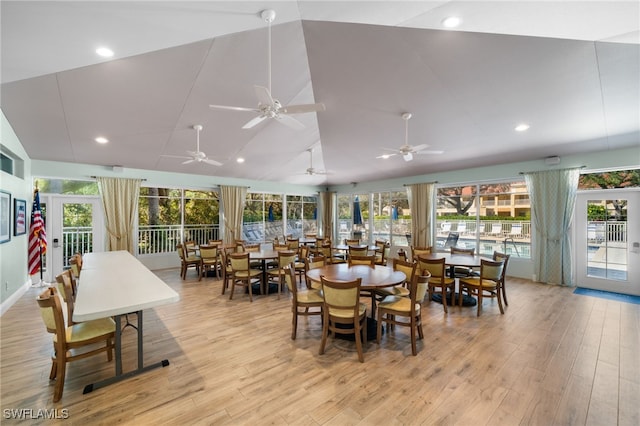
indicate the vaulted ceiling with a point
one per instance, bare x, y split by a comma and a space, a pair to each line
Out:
568, 69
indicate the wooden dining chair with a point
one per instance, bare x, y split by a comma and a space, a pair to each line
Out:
314, 262
285, 258
65, 289
242, 274
187, 261
343, 313
381, 252
225, 268
417, 251
405, 311
72, 338
303, 253
498, 256
310, 301
210, 260
486, 285
357, 251
351, 241
439, 281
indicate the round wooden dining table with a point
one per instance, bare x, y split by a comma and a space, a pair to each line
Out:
372, 278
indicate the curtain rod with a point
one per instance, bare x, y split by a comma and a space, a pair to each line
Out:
409, 184
96, 177
566, 168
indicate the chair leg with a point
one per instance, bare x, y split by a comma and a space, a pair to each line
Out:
504, 294
59, 388
294, 323
444, 299
325, 332
358, 340
379, 328
250, 289
414, 349
54, 369
500, 303
479, 301
232, 289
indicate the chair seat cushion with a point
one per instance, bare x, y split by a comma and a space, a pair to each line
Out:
393, 291
250, 273
310, 296
347, 313
475, 281
398, 304
90, 329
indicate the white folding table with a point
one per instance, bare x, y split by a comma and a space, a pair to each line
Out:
114, 284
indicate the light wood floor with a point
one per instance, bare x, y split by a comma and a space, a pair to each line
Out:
554, 358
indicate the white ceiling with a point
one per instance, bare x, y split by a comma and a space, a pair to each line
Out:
570, 69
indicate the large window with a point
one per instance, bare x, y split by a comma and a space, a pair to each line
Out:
270, 216
168, 216
488, 217
391, 218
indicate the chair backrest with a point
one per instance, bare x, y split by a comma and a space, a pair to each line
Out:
65, 288
409, 268
180, 251
312, 235
497, 256
190, 245
293, 243
467, 251
358, 251
281, 247
435, 267
239, 261
286, 257
496, 228
76, 264
209, 252
351, 241
462, 227
445, 226
51, 312
491, 270
215, 242
289, 274
341, 297
417, 251
362, 260
304, 252
419, 287
452, 239
251, 247
317, 261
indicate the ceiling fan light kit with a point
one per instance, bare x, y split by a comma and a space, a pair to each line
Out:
268, 107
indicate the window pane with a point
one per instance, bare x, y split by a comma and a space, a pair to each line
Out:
61, 186
159, 220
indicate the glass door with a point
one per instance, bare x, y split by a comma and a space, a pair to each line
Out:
608, 240
76, 225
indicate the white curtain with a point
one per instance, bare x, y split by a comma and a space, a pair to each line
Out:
325, 213
553, 198
421, 201
120, 204
233, 199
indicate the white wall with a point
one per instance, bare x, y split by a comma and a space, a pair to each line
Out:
14, 278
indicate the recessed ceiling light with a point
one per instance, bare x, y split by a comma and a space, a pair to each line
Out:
451, 22
240, 160
101, 139
521, 127
105, 52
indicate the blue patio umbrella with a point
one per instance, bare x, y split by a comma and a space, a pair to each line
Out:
357, 214
270, 217
394, 213
315, 214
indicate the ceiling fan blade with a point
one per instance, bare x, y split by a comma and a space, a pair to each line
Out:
173, 156
189, 161
233, 108
429, 152
397, 151
419, 147
385, 156
290, 122
254, 121
263, 95
212, 162
299, 109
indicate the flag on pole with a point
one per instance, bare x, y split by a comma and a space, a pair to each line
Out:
37, 236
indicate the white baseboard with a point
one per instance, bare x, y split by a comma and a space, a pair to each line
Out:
4, 307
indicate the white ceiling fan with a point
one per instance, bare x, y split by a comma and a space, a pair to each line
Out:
196, 156
268, 107
311, 171
407, 150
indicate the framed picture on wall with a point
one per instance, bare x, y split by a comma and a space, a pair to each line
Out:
5, 217
19, 217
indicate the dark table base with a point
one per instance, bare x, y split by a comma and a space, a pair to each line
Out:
466, 300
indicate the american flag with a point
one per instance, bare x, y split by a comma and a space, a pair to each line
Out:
37, 236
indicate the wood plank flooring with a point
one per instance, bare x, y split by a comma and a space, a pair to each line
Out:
554, 358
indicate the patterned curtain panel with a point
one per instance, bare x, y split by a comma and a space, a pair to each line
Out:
232, 199
421, 201
120, 204
325, 207
553, 199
